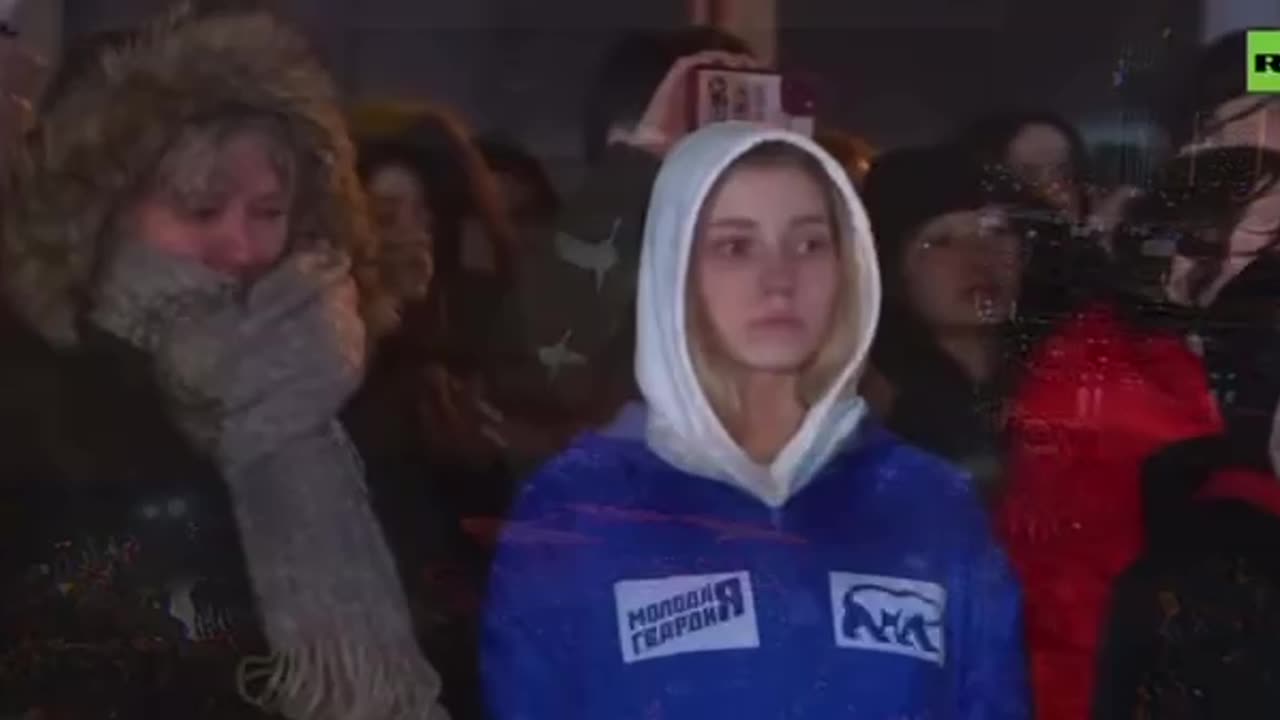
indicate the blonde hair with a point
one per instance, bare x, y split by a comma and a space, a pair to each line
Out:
840, 339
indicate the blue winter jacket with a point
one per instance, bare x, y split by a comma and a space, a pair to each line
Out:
625, 588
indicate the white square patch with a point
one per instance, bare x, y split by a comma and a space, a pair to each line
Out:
685, 614
888, 614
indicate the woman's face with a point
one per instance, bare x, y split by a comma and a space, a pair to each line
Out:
229, 209
963, 270
766, 268
1041, 156
403, 218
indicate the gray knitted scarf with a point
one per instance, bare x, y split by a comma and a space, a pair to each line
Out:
256, 377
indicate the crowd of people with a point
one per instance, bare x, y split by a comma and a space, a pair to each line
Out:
346, 412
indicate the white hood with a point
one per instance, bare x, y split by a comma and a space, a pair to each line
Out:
681, 426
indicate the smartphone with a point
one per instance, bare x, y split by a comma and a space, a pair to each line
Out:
718, 94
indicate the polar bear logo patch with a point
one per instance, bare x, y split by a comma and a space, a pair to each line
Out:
887, 614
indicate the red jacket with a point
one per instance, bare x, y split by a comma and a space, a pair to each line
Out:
1098, 398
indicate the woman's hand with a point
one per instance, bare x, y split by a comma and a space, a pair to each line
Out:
254, 373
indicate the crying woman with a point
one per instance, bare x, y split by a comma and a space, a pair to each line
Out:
187, 253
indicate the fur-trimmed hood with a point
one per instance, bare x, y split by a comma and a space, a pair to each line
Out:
104, 136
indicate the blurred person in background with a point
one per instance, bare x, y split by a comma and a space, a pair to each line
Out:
452, 259
1048, 152
187, 247
396, 182
1069, 256
1043, 149
1225, 116
747, 541
420, 417
945, 359
567, 331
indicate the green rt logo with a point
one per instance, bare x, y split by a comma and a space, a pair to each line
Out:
1263, 59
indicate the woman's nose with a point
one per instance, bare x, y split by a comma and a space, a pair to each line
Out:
778, 274
233, 249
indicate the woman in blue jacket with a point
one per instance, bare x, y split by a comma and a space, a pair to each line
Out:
748, 543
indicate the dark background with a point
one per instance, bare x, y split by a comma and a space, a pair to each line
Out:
895, 71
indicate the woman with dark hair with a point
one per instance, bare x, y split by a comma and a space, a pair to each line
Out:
1041, 148
952, 252
471, 233
451, 260
1070, 253
421, 416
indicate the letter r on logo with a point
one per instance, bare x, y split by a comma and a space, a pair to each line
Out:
1262, 61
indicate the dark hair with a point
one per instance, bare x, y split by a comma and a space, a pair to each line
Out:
456, 181
904, 190
507, 157
988, 139
633, 69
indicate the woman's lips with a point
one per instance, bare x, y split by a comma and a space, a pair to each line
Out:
777, 322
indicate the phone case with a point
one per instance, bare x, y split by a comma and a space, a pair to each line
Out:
769, 98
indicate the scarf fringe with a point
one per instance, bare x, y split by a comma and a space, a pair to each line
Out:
335, 680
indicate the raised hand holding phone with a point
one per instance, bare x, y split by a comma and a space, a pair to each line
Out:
666, 119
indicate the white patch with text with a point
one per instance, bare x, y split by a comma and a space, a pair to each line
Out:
685, 614
888, 614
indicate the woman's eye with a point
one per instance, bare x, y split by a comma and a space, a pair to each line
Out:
270, 214
815, 244
205, 214
731, 246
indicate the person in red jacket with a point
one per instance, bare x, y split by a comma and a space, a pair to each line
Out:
1097, 399
1118, 381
